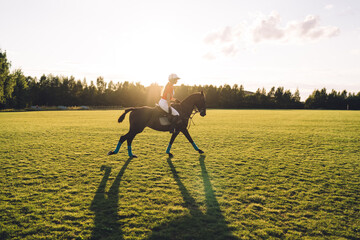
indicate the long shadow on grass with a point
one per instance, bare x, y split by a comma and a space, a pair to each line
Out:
105, 206
197, 225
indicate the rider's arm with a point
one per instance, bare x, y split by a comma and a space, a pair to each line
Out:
175, 100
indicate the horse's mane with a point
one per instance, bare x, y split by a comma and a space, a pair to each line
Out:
192, 95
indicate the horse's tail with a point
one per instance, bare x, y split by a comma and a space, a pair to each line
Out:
122, 117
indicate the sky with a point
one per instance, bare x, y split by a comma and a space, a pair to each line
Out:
303, 45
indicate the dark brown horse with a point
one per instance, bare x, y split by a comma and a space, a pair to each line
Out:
141, 117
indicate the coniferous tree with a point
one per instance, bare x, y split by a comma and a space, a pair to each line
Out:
7, 81
19, 97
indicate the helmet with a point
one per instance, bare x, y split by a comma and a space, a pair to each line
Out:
173, 77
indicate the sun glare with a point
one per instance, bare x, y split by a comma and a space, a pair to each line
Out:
151, 55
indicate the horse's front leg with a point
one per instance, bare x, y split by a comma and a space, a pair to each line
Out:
187, 135
173, 136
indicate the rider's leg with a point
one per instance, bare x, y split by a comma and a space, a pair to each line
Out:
174, 120
164, 105
174, 117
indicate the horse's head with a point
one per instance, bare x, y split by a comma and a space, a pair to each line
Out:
195, 100
200, 103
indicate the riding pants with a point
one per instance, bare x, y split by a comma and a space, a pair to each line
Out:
164, 106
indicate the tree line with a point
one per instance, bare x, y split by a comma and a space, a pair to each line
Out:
320, 99
19, 91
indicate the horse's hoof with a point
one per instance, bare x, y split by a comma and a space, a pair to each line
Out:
133, 156
171, 155
110, 153
200, 151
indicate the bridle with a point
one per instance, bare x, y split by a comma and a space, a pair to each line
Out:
193, 113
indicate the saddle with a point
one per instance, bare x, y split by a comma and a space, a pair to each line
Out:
164, 117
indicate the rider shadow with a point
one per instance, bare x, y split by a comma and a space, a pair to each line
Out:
105, 206
197, 225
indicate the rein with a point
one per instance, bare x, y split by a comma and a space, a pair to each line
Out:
194, 111
190, 118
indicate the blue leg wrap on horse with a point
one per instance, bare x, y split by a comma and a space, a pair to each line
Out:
117, 147
129, 151
195, 147
168, 148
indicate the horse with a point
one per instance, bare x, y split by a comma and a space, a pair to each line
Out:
141, 117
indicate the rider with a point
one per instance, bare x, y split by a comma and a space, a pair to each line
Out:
167, 98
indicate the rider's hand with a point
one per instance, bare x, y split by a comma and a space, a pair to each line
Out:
174, 100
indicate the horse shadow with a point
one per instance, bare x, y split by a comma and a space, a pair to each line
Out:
196, 225
105, 206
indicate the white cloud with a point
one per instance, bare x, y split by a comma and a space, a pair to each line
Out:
309, 29
211, 38
268, 28
209, 56
230, 50
225, 35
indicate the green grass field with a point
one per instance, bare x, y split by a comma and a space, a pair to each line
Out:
291, 174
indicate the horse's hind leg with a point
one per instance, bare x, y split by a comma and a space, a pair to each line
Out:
137, 125
174, 135
131, 135
122, 139
129, 141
